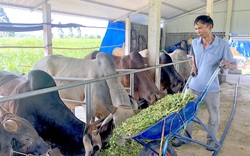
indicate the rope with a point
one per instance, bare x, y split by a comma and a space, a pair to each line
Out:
58, 48
16, 152
162, 135
22, 153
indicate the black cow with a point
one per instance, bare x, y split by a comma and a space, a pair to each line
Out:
51, 118
171, 80
18, 135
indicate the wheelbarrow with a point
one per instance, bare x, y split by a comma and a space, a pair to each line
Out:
156, 138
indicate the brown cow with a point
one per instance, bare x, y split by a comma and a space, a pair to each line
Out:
18, 135
119, 51
144, 85
171, 80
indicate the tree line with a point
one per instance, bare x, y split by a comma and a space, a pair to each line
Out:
5, 19
71, 34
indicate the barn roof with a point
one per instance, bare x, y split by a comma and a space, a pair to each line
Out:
115, 10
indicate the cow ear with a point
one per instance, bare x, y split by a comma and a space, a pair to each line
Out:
10, 125
96, 132
2, 110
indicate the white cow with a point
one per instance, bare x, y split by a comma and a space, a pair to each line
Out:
184, 68
107, 96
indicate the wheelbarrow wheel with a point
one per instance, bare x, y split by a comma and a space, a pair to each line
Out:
156, 146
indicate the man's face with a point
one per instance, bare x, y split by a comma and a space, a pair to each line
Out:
203, 30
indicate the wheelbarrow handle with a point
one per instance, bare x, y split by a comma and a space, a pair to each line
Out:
187, 84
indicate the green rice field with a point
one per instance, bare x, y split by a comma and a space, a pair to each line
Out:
21, 60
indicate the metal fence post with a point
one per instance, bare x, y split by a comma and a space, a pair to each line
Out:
132, 78
88, 102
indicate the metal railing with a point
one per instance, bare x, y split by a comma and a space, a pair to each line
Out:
82, 82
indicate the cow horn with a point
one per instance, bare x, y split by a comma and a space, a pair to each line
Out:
2, 111
106, 120
157, 97
10, 125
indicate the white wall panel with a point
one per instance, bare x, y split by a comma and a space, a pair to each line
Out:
241, 17
240, 23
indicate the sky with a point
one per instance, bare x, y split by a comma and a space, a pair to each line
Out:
24, 16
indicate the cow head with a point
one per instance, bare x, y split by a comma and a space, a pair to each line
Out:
5, 143
19, 136
106, 127
143, 104
91, 140
134, 104
171, 81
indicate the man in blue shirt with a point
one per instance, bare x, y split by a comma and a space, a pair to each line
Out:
208, 53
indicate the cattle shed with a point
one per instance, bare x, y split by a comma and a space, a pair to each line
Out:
163, 23
168, 21
176, 17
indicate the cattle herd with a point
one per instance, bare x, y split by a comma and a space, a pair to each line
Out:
44, 123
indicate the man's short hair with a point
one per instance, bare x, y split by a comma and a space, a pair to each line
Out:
204, 19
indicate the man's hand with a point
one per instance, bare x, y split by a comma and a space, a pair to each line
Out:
227, 65
194, 71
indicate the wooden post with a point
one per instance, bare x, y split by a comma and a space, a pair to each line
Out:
47, 35
154, 36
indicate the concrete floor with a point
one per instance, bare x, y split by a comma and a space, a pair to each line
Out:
234, 78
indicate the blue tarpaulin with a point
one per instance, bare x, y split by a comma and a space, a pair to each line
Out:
115, 35
178, 46
243, 47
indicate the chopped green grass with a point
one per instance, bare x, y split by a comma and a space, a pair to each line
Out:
144, 119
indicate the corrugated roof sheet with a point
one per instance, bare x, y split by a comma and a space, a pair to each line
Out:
109, 9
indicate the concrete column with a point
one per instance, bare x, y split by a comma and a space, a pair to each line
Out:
47, 35
163, 36
229, 17
210, 8
127, 36
154, 36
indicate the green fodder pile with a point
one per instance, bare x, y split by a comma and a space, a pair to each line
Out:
144, 119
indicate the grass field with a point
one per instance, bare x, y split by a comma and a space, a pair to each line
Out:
20, 60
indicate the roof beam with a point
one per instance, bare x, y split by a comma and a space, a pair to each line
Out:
13, 6
135, 12
192, 11
175, 7
107, 5
39, 3
132, 13
204, 1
